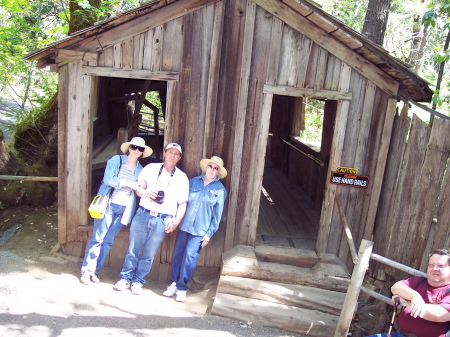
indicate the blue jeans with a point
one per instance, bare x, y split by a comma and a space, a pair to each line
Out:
146, 235
393, 334
184, 259
102, 240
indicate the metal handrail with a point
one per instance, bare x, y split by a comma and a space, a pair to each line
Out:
28, 178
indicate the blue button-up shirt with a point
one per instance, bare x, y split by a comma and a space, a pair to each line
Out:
205, 207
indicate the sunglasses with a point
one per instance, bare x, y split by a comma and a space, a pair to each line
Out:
135, 147
212, 167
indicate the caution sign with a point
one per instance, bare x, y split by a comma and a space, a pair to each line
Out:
349, 179
350, 170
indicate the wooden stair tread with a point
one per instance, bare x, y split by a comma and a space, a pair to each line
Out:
282, 287
302, 321
305, 297
287, 255
326, 274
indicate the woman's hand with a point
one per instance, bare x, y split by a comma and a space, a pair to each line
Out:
205, 240
170, 226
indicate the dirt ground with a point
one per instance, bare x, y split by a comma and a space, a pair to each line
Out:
41, 295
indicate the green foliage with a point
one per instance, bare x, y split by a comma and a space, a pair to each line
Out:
441, 56
314, 110
153, 98
438, 17
407, 25
350, 12
108, 8
27, 26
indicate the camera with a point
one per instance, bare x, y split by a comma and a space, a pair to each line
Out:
159, 197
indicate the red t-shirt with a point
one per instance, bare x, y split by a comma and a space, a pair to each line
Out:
420, 326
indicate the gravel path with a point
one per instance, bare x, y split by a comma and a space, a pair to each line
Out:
41, 296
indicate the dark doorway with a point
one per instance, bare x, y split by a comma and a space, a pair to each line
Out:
296, 165
127, 108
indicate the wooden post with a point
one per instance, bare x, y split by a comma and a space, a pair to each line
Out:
365, 250
348, 233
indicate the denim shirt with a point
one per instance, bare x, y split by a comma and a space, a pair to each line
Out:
205, 207
111, 180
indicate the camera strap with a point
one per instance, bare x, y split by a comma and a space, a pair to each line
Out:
171, 175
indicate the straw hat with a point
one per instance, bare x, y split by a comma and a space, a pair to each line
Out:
216, 160
138, 141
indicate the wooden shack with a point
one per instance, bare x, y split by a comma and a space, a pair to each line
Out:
233, 77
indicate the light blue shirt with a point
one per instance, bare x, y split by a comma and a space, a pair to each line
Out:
205, 207
111, 181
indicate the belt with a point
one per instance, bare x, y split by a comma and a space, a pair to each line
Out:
407, 334
155, 214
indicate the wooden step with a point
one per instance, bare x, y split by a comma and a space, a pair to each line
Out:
302, 321
327, 273
296, 257
282, 287
323, 300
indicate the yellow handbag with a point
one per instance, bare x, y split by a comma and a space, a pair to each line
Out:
98, 206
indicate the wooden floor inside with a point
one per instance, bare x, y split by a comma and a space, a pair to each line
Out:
287, 216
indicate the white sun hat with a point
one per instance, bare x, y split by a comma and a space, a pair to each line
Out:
138, 141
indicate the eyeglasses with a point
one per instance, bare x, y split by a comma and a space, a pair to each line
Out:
135, 147
213, 167
437, 266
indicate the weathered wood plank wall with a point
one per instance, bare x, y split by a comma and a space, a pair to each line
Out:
225, 52
414, 193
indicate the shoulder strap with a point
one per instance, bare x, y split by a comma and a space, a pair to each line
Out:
420, 282
120, 157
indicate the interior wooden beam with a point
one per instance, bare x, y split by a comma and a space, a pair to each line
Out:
141, 97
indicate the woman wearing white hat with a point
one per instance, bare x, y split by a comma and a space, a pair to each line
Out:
204, 210
119, 183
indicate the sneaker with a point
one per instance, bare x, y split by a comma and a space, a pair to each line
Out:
95, 279
122, 284
85, 279
136, 288
181, 296
171, 290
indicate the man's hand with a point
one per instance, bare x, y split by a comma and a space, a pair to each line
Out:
151, 195
400, 300
414, 302
417, 306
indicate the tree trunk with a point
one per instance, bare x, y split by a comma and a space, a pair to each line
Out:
80, 17
8, 162
441, 69
376, 20
419, 41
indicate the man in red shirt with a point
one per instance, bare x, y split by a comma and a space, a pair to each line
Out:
426, 300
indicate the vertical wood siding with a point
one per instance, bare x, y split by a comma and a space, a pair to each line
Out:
75, 95
225, 53
414, 192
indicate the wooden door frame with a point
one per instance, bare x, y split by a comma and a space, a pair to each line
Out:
342, 96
